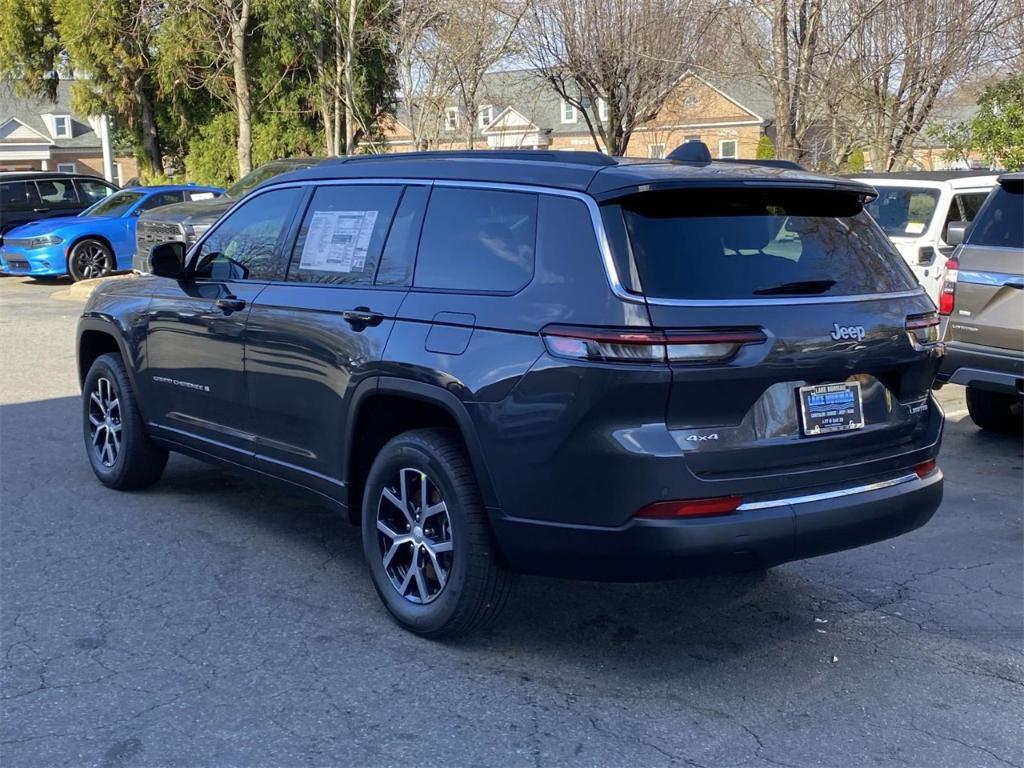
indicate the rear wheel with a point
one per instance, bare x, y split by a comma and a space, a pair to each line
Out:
90, 259
426, 539
119, 448
995, 411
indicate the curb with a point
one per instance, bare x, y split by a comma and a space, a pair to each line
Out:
82, 290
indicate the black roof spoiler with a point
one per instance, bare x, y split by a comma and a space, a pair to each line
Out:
697, 152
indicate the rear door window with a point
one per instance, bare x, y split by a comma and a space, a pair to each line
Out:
57, 192
1000, 223
477, 240
17, 195
342, 234
904, 211
735, 244
92, 191
158, 200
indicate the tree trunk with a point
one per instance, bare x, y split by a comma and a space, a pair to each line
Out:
350, 44
152, 156
339, 67
243, 97
324, 93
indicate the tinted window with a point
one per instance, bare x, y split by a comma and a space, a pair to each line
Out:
477, 240
342, 234
964, 207
400, 251
245, 245
15, 194
160, 198
738, 244
904, 211
90, 191
1001, 222
56, 191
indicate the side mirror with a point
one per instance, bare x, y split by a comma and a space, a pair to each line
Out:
955, 232
167, 259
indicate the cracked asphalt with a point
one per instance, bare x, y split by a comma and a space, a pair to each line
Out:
214, 621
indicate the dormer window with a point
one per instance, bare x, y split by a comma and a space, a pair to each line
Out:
568, 112
61, 126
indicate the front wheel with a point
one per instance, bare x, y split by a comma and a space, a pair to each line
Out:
90, 259
426, 539
119, 448
995, 411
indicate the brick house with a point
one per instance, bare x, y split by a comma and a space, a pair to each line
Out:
40, 135
517, 110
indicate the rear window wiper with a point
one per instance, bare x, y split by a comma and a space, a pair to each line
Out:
798, 288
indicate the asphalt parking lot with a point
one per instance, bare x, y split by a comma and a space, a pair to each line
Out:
214, 621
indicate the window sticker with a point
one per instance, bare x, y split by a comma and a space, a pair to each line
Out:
337, 241
915, 228
200, 196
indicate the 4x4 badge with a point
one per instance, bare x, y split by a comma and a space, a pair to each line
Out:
699, 438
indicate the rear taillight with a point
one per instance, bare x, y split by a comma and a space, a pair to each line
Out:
923, 329
692, 508
623, 346
947, 296
925, 468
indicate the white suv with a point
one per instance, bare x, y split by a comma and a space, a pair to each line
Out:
915, 209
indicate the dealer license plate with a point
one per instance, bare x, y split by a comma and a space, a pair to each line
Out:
828, 408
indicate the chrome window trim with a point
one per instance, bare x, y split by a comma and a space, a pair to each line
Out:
603, 244
977, 277
825, 495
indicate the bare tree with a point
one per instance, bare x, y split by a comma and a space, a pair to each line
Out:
615, 61
904, 55
425, 80
476, 35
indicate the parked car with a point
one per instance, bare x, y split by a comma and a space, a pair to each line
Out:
187, 221
915, 210
32, 195
983, 297
545, 362
96, 242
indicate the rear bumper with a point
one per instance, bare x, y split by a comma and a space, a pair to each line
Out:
758, 535
982, 367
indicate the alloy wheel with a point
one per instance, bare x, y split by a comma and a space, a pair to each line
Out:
90, 260
105, 422
415, 536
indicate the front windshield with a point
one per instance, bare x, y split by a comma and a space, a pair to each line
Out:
904, 211
256, 177
115, 205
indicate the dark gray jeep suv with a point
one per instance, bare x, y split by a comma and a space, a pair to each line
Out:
555, 363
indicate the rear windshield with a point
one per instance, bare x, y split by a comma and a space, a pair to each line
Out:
728, 244
1001, 222
904, 211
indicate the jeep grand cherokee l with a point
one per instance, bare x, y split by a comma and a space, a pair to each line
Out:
555, 363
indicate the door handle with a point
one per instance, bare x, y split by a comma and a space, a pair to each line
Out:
227, 306
41, 210
360, 317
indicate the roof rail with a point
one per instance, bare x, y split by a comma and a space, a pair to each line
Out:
767, 163
528, 155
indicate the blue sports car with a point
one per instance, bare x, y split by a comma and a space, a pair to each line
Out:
96, 242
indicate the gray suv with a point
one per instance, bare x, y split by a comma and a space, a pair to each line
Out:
545, 362
983, 297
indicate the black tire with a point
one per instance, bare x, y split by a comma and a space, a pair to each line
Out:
137, 462
996, 411
477, 586
89, 259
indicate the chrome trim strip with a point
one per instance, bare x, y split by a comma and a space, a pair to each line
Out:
1000, 279
751, 505
611, 273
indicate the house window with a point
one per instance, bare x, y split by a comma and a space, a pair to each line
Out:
656, 151
691, 102
727, 149
602, 109
62, 127
568, 112
65, 167
451, 118
484, 115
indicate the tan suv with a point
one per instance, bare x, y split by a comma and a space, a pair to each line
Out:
983, 297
